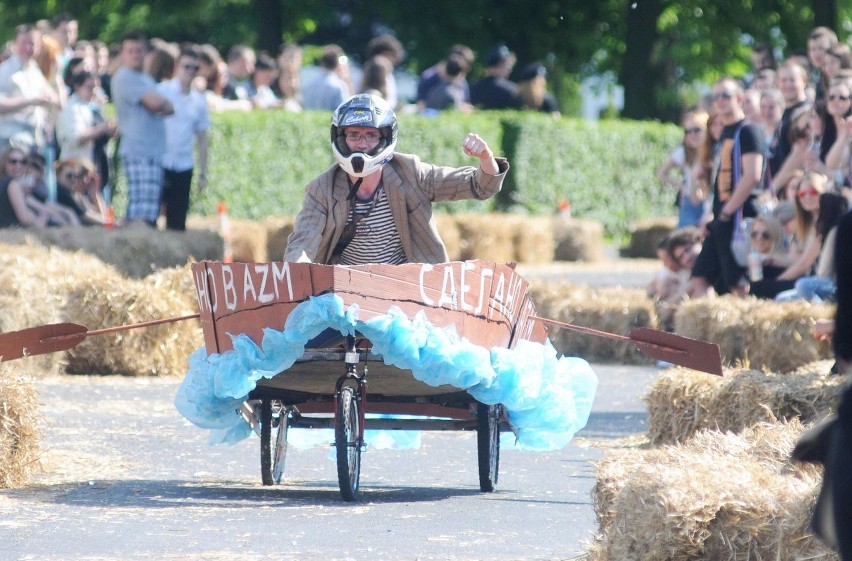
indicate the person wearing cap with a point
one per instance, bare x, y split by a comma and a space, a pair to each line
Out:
495, 90
532, 90
374, 205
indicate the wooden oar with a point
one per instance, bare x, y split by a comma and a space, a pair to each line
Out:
676, 349
61, 336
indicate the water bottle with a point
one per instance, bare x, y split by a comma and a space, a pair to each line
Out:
755, 266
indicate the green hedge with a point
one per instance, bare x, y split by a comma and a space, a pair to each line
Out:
261, 161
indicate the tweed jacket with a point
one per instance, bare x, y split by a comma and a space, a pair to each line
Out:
411, 187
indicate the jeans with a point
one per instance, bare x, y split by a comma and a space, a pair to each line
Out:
816, 289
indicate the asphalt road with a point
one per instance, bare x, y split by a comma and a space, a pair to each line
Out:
127, 478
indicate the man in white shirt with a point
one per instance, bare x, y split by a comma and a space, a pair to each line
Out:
25, 95
188, 126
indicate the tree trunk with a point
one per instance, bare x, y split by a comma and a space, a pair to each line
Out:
270, 25
639, 73
825, 13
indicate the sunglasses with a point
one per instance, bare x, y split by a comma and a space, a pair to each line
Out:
692, 130
809, 192
191, 67
761, 234
835, 97
16, 162
723, 95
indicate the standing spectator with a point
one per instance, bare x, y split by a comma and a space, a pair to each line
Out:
160, 60
81, 129
838, 108
771, 111
375, 74
65, 32
329, 89
751, 105
25, 96
448, 93
140, 110
532, 90
765, 79
820, 40
287, 86
190, 122
704, 173
241, 61
792, 81
390, 48
739, 171
494, 90
258, 86
434, 75
837, 58
689, 201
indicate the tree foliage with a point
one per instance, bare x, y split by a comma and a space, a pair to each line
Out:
655, 46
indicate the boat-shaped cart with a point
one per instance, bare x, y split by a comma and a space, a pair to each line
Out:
487, 304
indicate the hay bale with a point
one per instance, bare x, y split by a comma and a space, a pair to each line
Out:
761, 334
448, 229
136, 249
646, 234
176, 281
161, 350
19, 421
532, 237
717, 497
278, 229
616, 310
577, 240
682, 402
485, 236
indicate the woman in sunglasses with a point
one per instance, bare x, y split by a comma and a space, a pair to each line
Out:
26, 197
676, 171
812, 226
768, 249
78, 188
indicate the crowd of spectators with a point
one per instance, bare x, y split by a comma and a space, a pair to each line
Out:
793, 119
54, 87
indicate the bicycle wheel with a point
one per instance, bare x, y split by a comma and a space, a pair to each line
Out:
347, 430
273, 441
488, 444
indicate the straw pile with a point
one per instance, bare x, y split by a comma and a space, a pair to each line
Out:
532, 239
161, 350
248, 238
718, 497
577, 240
616, 310
136, 250
485, 236
757, 333
19, 421
34, 282
682, 402
646, 234
278, 229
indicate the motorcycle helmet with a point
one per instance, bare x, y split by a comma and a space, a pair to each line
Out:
363, 110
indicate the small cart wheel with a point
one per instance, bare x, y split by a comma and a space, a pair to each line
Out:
347, 436
488, 444
273, 441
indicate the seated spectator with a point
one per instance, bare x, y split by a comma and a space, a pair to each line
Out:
822, 286
768, 247
808, 209
449, 92
839, 107
532, 90
678, 252
803, 140
495, 90
25, 202
211, 81
78, 188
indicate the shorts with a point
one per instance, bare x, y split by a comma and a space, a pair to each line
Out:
144, 188
716, 263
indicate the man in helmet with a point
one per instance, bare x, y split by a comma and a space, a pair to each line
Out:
375, 205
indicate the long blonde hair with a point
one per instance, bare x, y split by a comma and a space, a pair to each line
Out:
701, 119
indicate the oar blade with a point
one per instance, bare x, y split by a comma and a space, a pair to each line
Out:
40, 340
676, 349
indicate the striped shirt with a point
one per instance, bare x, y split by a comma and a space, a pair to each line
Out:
376, 237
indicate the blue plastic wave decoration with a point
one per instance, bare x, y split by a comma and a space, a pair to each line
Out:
548, 398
